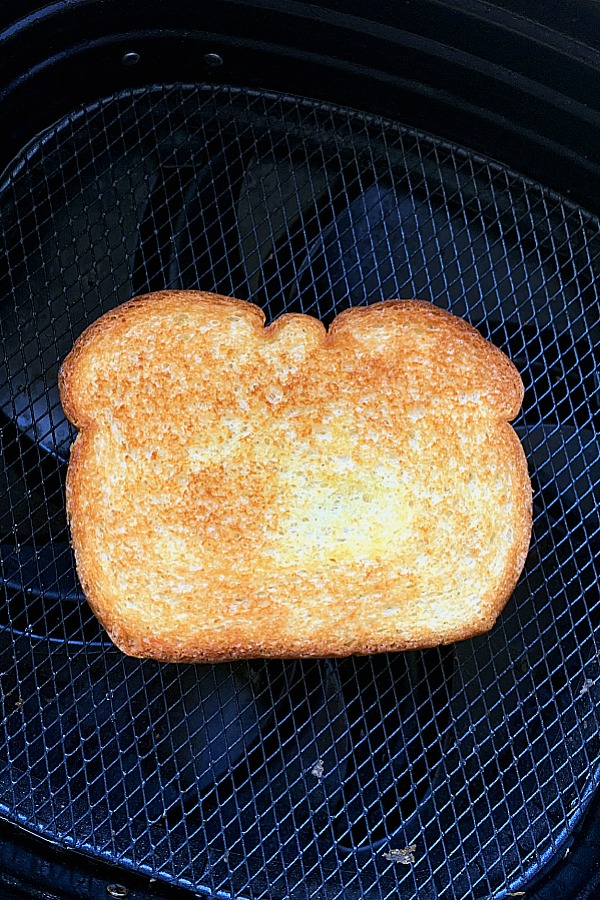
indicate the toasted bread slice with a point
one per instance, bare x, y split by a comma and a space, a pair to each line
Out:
241, 491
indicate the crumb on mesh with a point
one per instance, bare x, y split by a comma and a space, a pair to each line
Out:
405, 856
318, 769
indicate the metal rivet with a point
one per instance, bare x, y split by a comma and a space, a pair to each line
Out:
116, 890
213, 60
130, 59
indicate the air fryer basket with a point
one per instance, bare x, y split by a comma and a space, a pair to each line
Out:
456, 772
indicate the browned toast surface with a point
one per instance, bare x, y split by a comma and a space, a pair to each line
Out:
239, 491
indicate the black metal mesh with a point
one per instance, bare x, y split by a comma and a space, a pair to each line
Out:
449, 773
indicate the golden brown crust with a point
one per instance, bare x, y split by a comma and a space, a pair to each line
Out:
240, 491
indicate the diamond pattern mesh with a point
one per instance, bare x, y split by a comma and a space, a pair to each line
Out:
454, 772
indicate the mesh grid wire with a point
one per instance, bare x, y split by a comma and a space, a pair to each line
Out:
454, 772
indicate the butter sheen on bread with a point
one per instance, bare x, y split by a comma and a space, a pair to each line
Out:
241, 491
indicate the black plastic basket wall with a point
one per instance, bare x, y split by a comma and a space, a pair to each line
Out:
448, 773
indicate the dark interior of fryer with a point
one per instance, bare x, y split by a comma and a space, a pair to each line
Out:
451, 772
